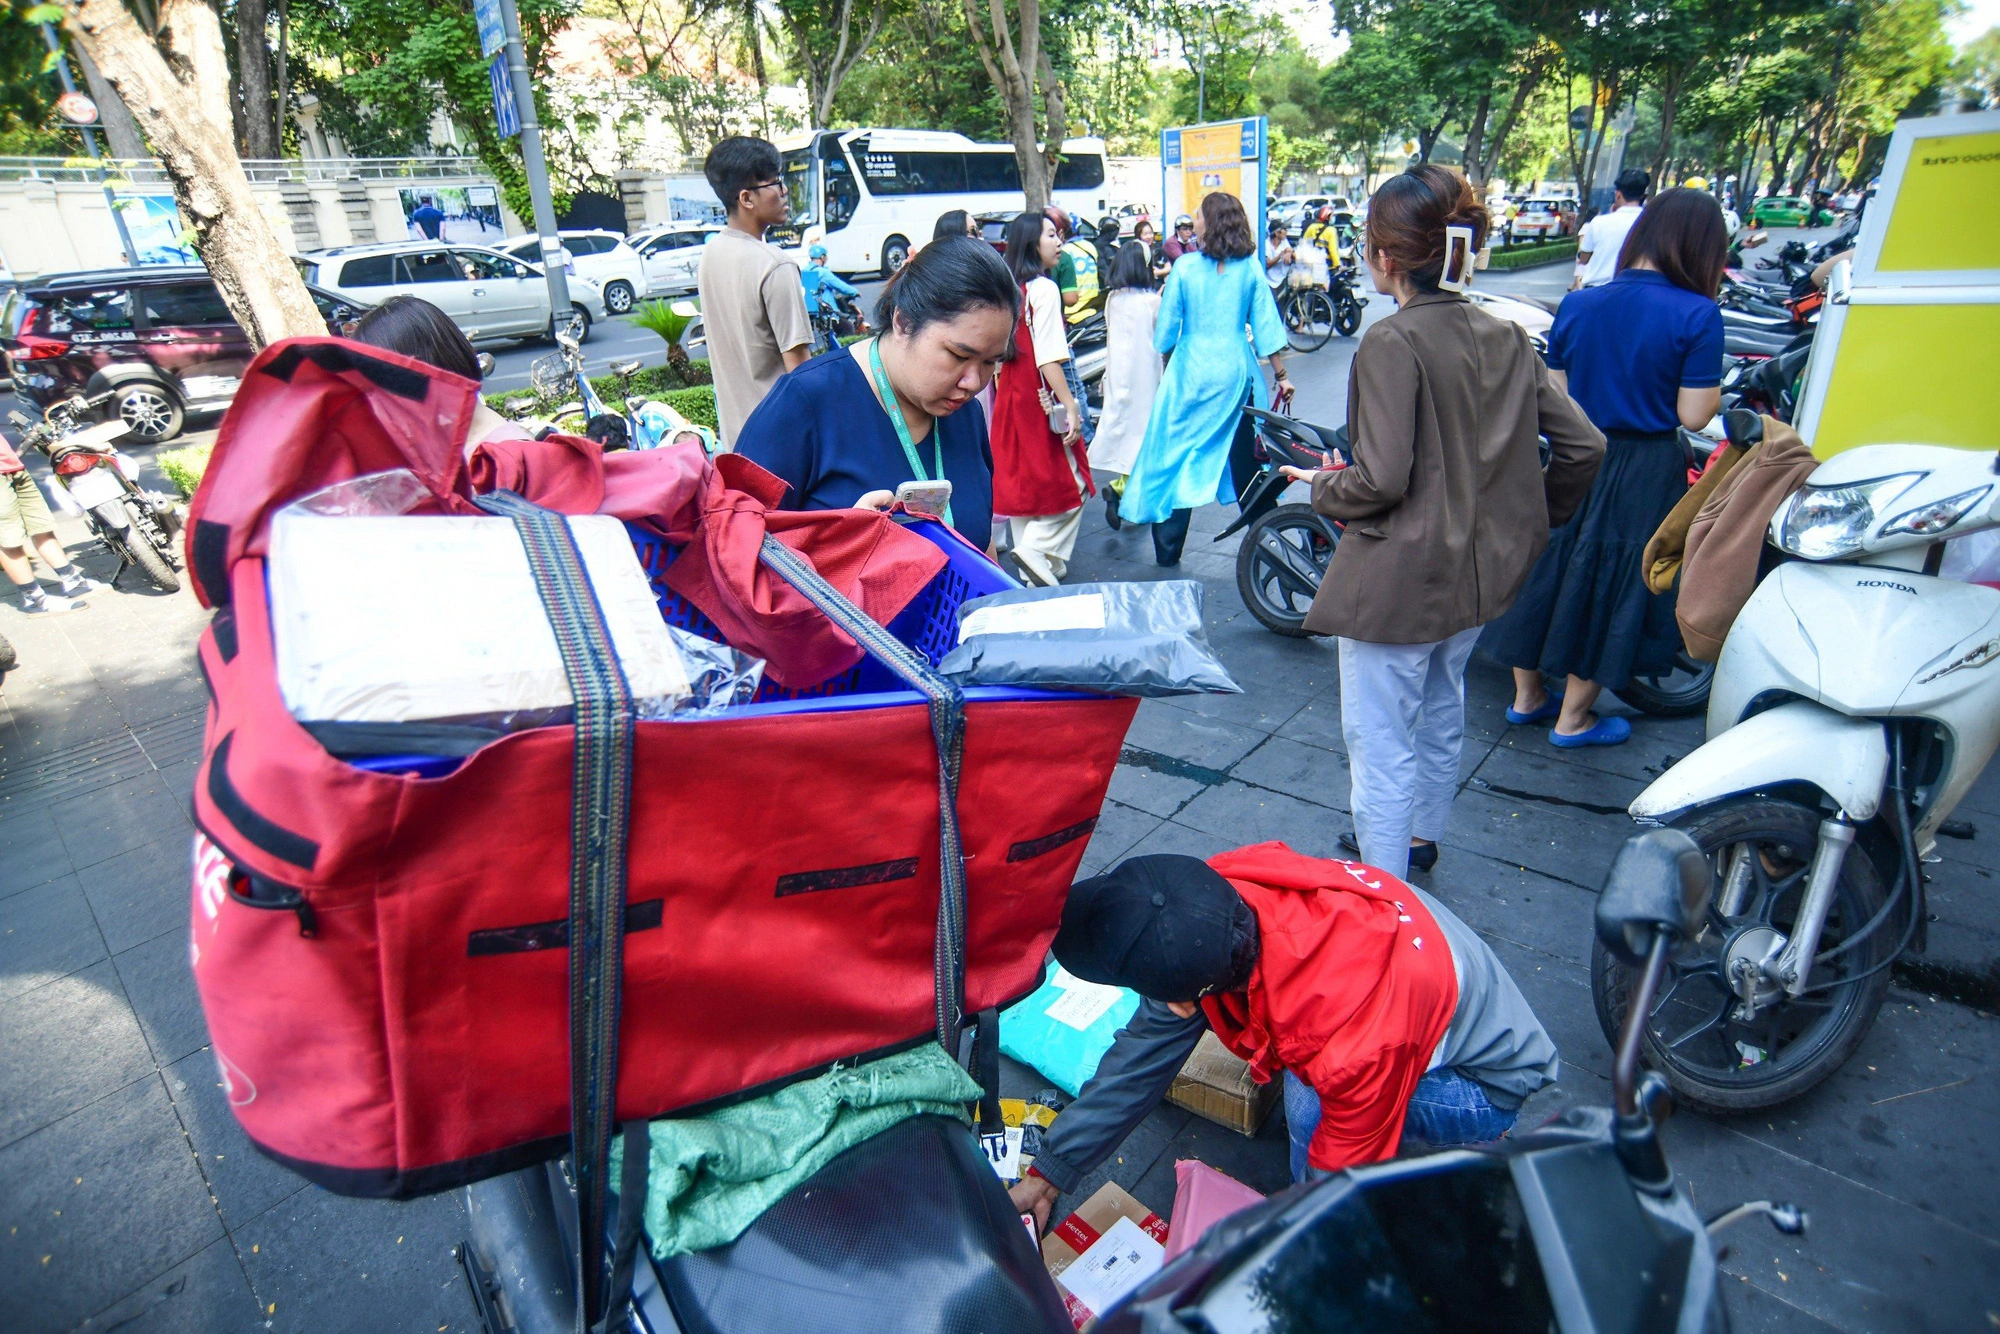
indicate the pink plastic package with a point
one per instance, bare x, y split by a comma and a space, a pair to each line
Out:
1202, 1195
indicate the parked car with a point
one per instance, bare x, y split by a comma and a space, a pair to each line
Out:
604, 257
159, 336
1779, 211
672, 256
1543, 220
487, 294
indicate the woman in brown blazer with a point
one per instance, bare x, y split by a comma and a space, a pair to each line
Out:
1446, 504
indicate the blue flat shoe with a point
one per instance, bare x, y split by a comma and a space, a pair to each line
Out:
1551, 707
1608, 732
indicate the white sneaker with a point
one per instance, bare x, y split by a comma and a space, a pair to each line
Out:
84, 585
54, 604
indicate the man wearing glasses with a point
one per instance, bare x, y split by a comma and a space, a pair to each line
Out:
753, 305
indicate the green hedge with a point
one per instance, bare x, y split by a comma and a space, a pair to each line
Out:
661, 382
1529, 255
184, 466
696, 403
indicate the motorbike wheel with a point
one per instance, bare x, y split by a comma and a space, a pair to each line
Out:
1716, 1060
122, 530
8, 660
1347, 318
1281, 564
1676, 692
1309, 320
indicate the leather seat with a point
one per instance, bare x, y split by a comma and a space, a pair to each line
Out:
911, 1231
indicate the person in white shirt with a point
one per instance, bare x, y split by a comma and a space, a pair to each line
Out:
1603, 236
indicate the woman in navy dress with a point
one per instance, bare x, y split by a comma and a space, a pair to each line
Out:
947, 319
1642, 355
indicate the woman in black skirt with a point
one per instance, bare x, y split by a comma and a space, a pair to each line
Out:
1642, 355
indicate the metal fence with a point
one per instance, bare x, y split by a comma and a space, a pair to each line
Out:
147, 171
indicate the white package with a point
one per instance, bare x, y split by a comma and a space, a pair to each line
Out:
406, 619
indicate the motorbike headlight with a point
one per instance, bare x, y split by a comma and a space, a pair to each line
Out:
1937, 516
1826, 522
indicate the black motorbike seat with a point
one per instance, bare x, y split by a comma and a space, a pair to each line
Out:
910, 1231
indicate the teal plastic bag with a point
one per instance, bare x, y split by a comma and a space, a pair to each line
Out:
1065, 1026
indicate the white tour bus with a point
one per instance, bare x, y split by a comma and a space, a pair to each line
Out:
871, 196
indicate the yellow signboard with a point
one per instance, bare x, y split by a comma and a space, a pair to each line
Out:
1904, 353
1229, 156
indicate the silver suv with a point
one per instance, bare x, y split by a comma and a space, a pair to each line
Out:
487, 294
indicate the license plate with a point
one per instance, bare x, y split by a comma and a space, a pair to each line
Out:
93, 488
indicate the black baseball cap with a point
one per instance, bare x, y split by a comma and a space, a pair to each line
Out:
1168, 927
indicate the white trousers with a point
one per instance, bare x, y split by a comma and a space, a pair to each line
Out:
1046, 542
1402, 712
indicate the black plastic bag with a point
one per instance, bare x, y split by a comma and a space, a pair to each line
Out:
1113, 639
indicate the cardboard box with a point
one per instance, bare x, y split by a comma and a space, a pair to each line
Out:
1076, 1234
1216, 1083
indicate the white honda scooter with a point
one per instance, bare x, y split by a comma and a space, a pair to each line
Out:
1856, 699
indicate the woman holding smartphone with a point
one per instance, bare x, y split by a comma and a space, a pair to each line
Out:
847, 430
1040, 470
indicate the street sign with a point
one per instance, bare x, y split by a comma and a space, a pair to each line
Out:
1580, 118
492, 28
505, 113
77, 108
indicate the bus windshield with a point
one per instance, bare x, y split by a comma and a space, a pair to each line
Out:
800, 196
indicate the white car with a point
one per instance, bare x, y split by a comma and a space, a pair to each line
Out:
487, 294
1535, 318
604, 257
672, 255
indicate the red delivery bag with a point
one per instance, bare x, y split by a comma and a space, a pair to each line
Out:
384, 955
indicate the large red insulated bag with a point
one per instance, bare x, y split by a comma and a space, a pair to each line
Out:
383, 957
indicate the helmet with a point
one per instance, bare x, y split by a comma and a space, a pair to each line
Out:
1326, 213
1183, 221
816, 252
1695, 183
1060, 219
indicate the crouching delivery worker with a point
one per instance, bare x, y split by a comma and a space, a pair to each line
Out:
1384, 1013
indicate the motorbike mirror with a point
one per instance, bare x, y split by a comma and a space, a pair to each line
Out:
1659, 883
486, 364
1743, 427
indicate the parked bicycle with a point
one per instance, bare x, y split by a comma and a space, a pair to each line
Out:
1308, 312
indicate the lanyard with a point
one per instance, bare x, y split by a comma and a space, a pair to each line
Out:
895, 412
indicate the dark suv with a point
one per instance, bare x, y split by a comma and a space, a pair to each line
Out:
159, 336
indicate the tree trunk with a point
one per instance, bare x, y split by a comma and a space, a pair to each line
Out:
1530, 77
253, 65
121, 132
1012, 71
1475, 136
1427, 136
281, 70
178, 91
1670, 90
1055, 118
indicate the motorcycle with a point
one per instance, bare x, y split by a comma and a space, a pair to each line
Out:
1348, 302
1573, 1227
141, 527
1855, 702
1282, 559
843, 320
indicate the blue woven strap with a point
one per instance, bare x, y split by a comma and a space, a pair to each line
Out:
947, 708
600, 818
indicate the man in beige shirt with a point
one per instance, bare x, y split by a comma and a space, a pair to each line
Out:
753, 305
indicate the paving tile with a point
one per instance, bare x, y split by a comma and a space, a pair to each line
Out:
1260, 706
206, 1294
1118, 828
1590, 795
161, 990
1757, 1310
65, 1045
1178, 839
45, 933
1210, 743
1868, 1262
1500, 900
1239, 814
1310, 773
1317, 723
243, 1181
118, 819
1262, 1162
141, 894
1642, 759
110, 1197
1531, 836
1148, 789
31, 851
322, 1262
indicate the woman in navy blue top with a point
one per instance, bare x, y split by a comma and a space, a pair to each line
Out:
947, 320
1642, 355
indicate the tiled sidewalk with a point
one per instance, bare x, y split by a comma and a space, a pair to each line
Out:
130, 1200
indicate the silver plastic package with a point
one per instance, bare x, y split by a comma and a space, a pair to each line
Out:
1142, 639
719, 677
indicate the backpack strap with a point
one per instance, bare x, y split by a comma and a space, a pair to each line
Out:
600, 818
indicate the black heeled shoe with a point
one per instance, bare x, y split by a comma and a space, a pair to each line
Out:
1111, 509
1423, 856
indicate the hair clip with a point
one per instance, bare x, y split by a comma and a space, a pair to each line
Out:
1445, 281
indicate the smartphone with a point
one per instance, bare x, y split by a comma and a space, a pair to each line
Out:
925, 497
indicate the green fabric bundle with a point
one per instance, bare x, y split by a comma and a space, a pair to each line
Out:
713, 1176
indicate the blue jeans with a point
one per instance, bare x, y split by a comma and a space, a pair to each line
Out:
1446, 1108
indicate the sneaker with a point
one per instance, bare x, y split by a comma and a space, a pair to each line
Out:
84, 585
1031, 573
54, 604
